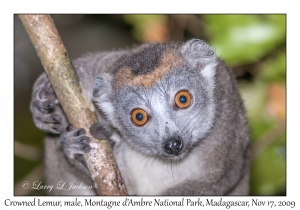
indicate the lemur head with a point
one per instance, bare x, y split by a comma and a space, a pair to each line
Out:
161, 98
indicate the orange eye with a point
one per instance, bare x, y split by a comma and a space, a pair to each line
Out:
139, 117
183, 99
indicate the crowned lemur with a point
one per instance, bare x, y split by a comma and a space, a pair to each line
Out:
173, 116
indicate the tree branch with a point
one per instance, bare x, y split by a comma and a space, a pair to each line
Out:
78, 108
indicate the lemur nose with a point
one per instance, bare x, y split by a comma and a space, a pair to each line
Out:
173, 146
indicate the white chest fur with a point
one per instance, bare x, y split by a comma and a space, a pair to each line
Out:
151, 176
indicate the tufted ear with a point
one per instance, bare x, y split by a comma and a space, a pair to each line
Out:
199, 55
102, 94
102, 85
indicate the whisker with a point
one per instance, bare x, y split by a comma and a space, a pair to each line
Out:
131, 153
177, 169
163, 86
162, 93
197, 158
145, 165
154, 159
172, 172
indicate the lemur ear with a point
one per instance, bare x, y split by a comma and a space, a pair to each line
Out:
102, 94
103, 85
199, 55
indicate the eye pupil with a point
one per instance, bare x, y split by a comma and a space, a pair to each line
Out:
183, 99
139, 116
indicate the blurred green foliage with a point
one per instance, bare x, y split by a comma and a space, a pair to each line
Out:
141, 21
241, 39
274, 69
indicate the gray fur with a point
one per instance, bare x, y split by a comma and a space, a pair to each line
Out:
214, 159
146, 59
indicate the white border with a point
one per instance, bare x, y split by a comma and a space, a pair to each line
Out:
8, 8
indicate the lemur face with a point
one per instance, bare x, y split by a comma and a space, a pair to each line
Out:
161, 98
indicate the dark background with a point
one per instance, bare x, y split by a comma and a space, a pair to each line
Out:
254, 46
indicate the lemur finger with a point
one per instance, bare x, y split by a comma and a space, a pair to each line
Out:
49, 122
54, 128
80, 158
100, 131
44, 90
74, 135
50, 118
86, 148
43, 106
80, 132
70, 127
84, 140
58, 128
85, 144
56, 118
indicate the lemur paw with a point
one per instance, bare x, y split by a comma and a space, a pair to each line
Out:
75, 143
44, 107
